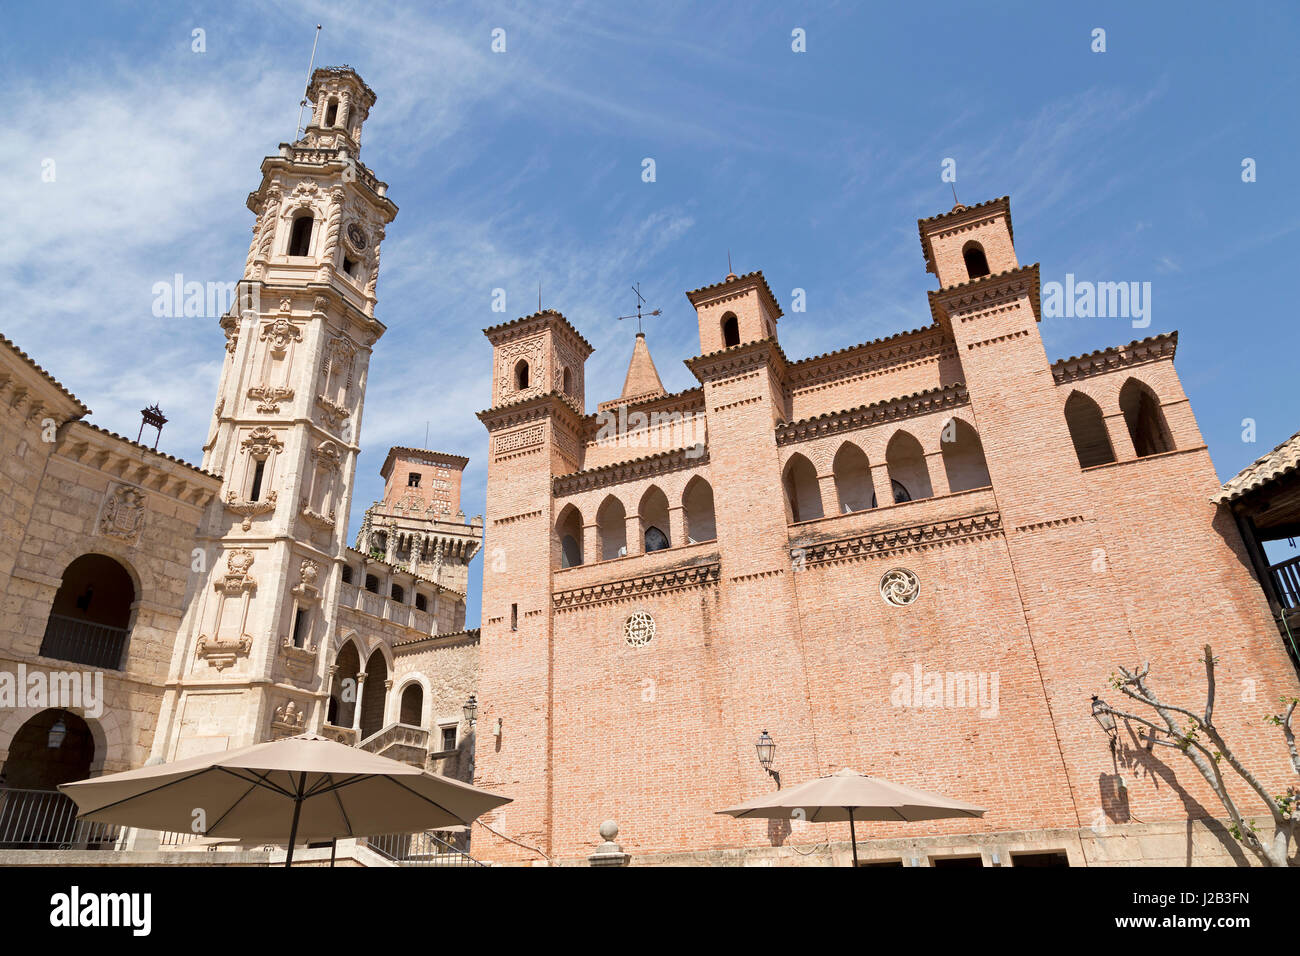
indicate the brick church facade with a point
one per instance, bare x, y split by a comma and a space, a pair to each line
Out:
792, 543
793, 546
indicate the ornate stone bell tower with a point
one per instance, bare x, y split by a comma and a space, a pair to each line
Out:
250, 659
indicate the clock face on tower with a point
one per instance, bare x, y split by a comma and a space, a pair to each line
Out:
357, 236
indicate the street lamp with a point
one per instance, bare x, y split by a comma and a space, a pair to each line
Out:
57, 733
470, 710
766, 748
1101, 712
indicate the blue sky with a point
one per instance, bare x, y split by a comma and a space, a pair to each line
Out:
522, 167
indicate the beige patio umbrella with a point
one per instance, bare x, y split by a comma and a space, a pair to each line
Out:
849, 795
302, 789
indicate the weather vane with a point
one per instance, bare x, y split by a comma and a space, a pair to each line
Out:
638, 315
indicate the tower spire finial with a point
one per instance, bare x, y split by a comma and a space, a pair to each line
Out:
731, 273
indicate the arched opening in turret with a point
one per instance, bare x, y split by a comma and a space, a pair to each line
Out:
332, 111
521, 375
654, 520
1145, 420
907, 466
730, 330
963, 456
803, 496
977, 264
611, 528
853, 479
697, 507
300, 235
569, 530
1088, 431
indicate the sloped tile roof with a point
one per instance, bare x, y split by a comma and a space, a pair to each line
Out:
1282, 460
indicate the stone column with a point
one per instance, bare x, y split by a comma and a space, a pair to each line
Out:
356, 705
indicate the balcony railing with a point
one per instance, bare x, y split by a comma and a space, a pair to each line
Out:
1286, 581
84, 642
423, 849
376, 605
46, 819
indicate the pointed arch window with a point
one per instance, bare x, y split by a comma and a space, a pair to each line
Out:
521, 375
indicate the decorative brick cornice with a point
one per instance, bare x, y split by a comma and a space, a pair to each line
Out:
738, 359
1100, 362
988, 292
877, 355
920, 537
699, 575
733, 286
531, 409
647, 466
893, 409
528, 324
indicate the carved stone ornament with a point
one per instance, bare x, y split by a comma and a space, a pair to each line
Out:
269, 397
237, 580
280, 333
357, 237
288, 720
223, 652
123, 515
308, 572
249, 509
260, 442
899, 587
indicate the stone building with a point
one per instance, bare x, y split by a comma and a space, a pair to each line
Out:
220, 605
805, 546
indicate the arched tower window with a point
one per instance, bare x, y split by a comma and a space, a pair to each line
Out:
1088, 431
907, 466
697, 505
730, 330
569, 530
801, 491
521, 375
963, 456
91, 613
1145, 420
332, 111
611, 528
300, 235
977, 264
566, 382
853, 478
654, 520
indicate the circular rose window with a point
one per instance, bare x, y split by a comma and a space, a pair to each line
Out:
899, 587
639, 629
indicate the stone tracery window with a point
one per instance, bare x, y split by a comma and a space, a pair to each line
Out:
639, 629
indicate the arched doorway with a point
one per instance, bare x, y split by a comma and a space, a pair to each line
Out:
374, 696
91, 614
412, 709
54, 746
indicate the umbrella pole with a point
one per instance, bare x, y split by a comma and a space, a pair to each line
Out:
297, 808
333, 846
853, 836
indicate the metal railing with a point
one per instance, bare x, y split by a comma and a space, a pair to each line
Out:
46, 819
83, 642
1286, 581
423, 849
